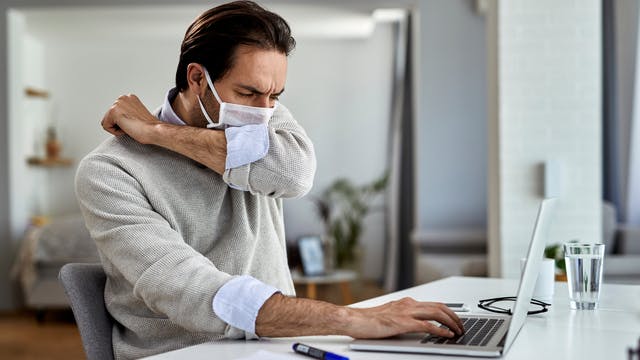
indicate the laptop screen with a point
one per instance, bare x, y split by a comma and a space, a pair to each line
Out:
531, 269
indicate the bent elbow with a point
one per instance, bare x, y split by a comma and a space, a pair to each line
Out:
299, 181
305, 177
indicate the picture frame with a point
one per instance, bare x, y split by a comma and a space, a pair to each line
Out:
311, 255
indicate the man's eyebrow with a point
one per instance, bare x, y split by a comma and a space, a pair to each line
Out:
256, 91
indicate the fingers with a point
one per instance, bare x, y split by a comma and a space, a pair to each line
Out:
408, 315
124, 107
440, 313
109, 125
443, 318
437, 330
427, 326
453, 316
128, 98
116, 132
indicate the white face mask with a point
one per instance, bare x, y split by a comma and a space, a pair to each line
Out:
235, 114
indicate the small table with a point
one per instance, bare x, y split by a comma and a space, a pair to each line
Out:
340, 277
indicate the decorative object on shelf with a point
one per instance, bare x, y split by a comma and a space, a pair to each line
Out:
40, 220
53, 145
342, 208
53, 148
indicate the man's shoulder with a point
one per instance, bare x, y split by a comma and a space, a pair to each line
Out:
125, 151
119, 147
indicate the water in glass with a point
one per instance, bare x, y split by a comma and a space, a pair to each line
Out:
584, 276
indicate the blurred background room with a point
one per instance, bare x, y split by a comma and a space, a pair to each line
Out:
447, 119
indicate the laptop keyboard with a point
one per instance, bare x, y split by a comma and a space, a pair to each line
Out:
477, 332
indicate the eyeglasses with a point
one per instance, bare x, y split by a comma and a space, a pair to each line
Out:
490, 305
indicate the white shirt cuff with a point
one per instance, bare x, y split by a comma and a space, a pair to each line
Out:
238, 301
246, 144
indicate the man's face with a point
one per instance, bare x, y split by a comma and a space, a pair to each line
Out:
256, 78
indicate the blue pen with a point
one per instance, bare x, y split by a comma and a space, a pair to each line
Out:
316, 353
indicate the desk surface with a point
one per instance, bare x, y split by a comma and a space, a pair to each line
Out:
560, 333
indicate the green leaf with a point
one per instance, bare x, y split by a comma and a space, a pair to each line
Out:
342, 207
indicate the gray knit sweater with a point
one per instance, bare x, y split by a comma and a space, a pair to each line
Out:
170, 233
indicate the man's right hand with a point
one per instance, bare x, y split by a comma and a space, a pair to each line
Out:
404, 316
282, 316
129, 116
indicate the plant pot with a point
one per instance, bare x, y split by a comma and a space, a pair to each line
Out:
354, 263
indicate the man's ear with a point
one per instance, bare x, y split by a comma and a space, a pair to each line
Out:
196, 79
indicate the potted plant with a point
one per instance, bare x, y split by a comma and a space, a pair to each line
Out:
556, 252
342, 207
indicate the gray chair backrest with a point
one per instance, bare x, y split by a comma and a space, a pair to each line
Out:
84, 285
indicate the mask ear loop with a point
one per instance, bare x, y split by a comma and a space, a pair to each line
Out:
204, 112
213, 88
215, 94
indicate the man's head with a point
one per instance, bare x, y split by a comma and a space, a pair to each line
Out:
244, 49
213, 38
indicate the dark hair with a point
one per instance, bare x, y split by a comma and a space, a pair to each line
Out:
213, 37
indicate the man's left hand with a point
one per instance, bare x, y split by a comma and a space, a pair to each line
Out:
129, 116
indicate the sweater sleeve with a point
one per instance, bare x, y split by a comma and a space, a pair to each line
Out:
288, 168
167, 274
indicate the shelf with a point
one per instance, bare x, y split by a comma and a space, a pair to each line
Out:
49, 162
34, 92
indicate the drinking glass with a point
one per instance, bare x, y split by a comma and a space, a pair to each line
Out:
584, 264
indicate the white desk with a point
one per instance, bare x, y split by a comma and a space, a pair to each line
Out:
560, 333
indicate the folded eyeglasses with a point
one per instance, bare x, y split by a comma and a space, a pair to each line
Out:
493, 305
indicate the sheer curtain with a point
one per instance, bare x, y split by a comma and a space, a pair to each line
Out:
611, 164
401, 194
621, 108
633, 182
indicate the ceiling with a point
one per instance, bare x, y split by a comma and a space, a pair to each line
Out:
307, 20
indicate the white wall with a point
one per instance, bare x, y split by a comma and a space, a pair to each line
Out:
545, 74
87, 70
338, 89
28, 185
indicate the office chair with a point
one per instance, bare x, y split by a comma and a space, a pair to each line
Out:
84, 286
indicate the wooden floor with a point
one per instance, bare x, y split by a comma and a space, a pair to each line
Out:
55, 337
22, 337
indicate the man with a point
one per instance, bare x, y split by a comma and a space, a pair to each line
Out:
186, 206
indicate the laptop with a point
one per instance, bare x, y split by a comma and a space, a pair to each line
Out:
485, 335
